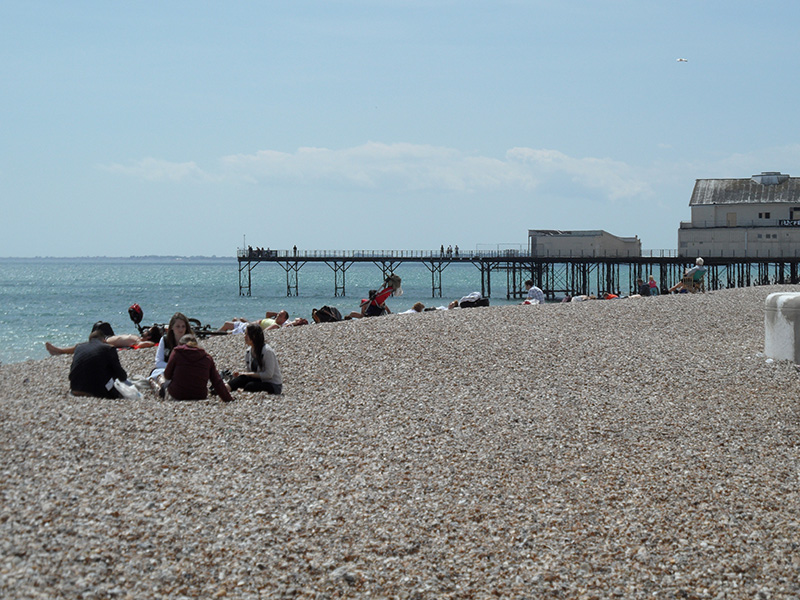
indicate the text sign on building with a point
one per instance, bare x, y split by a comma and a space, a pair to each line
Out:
789, 223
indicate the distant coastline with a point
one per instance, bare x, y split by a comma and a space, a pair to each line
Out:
146, 258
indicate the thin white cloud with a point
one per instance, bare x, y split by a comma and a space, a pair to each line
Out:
613, 178
376, 165
154, 169
735, 166
404, 166
422, 167
777, 158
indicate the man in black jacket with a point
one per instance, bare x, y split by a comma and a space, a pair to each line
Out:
95, 365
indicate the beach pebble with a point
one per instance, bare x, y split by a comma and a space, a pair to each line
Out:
623, 448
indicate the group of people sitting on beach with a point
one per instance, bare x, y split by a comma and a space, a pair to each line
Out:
691, 281
182, 369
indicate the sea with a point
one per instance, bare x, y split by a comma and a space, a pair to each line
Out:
58, 299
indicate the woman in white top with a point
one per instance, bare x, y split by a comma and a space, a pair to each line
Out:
177, 328
264, 374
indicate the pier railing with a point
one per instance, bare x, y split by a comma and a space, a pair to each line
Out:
257, 253
268, 254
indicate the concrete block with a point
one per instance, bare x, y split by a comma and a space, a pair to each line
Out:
782, 326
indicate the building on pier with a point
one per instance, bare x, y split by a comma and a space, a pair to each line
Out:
552, 243
757, 217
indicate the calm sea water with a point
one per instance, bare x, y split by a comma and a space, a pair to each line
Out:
58, 300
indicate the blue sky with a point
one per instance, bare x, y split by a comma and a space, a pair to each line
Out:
133, 128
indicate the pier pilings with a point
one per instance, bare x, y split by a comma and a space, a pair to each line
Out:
556, 276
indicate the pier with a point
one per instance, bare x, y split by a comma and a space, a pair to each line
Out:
556, 276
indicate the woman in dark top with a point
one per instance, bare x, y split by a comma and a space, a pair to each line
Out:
189, 370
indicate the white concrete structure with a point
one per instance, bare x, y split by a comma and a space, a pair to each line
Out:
782, 326
577, 244
758, 217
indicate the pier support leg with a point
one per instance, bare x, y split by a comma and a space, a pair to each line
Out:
485, 267
245, 280
292, 267
339, 270
436, 267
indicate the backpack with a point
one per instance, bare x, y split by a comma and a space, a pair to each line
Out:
136, 313
472, 300
473, 303
328, 314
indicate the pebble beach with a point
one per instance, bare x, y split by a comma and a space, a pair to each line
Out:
632, 448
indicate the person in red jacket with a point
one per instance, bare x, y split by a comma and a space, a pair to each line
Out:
375, 305
189, 370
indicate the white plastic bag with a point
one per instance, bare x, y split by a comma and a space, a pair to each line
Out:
127, 391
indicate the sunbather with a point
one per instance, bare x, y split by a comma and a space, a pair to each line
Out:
271, 320
148, 339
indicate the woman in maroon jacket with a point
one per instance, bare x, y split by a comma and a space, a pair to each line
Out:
189, 370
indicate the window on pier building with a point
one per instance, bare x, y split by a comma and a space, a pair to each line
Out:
763, 215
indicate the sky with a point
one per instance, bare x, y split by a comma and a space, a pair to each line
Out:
195, 128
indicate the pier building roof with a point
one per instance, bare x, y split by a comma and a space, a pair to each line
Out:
591, 233
767, 187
